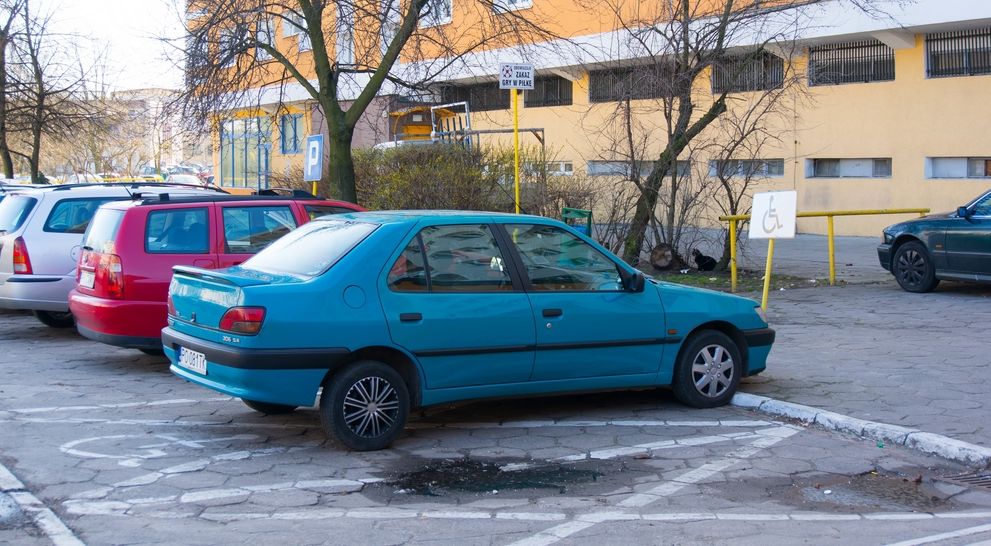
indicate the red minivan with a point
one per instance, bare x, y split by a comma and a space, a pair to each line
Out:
130, 247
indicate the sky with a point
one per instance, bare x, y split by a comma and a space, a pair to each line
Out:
130, 30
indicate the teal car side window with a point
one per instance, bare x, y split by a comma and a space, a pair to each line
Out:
556, 260
453, 258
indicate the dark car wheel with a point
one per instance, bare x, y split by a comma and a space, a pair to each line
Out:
913, 268
365, 405
55, 319
268, 408
708, 370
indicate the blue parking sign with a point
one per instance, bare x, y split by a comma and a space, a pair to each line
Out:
313, 161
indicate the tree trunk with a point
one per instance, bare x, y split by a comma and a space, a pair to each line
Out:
647, 200
341, 167
8, 161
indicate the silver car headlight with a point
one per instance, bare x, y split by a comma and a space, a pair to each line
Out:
760, 313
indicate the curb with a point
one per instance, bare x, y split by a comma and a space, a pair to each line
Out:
926, 442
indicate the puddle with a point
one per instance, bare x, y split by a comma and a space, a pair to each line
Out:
466, 475
875, 491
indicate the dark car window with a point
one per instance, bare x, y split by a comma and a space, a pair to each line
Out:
408, 273
102, 230
983, 206
316, 211
72, 215
247, 230
557, 260
178, 231
311, 249
460, 258
14, 210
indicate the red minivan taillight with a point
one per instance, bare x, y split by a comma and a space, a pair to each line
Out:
243, 320
22, 262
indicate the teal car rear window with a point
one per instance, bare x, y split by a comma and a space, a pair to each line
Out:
312, 249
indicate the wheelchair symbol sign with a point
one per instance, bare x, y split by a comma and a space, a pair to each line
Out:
773, 215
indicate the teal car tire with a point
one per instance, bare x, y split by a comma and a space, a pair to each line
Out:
267, 407
365, 406
708, 370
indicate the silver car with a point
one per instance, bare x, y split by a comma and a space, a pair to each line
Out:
41, 233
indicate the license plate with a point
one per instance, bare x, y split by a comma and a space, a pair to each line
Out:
86, 279
192, 360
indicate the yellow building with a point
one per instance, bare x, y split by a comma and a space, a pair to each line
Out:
889, 111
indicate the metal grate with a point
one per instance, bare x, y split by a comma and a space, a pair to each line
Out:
851, 62
549, 91
757, 72
615, 84
481, 97
973, 479
961, 53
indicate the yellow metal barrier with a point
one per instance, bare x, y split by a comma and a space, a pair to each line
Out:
829, 215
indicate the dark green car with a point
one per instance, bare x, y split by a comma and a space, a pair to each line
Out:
953, 246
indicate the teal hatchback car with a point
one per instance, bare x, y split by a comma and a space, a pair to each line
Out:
379, 313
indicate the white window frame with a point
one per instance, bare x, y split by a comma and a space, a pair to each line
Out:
505, 6
850, 167
622, 168
344, 44
961, 166
561, 168
762, 168
264, 34
435, 17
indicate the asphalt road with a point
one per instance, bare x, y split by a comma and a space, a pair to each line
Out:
104, 446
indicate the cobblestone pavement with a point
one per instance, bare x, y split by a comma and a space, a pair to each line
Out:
879, 353
114, 449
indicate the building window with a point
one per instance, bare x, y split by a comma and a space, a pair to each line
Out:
616, 84
623, 168
480, 97
756, 72
747, 168
963, 53
291, 128
560, 168
503, 6
245, 146
438, 13
263, 36
345, 35
391, 18
851, 62
959, 167
230, 44
849, 168
548, 91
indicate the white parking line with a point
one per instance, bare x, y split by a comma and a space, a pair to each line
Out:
768, 438
43, 517
50, 409
944, 536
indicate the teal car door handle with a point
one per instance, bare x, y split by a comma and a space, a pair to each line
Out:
410, 317
550, 313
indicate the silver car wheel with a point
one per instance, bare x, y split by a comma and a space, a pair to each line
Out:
712, 371
371, 406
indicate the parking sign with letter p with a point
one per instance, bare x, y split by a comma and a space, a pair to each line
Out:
313, 162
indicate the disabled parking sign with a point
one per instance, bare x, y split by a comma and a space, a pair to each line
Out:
773, 215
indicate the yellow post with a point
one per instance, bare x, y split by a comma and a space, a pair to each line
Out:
314, 192
516, 145
767, 273
832, 251
732, 255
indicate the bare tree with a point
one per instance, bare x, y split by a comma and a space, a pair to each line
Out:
345, 54
680, 44
10, 14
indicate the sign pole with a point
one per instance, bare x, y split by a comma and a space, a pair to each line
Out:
767, 274
516, 145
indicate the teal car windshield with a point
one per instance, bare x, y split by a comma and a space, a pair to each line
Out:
311, 249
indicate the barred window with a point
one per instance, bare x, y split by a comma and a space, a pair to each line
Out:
548, 91
756, 72
623, 168
771, 168
851, 62
878, 167
480, 97
646, 82
962, 53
